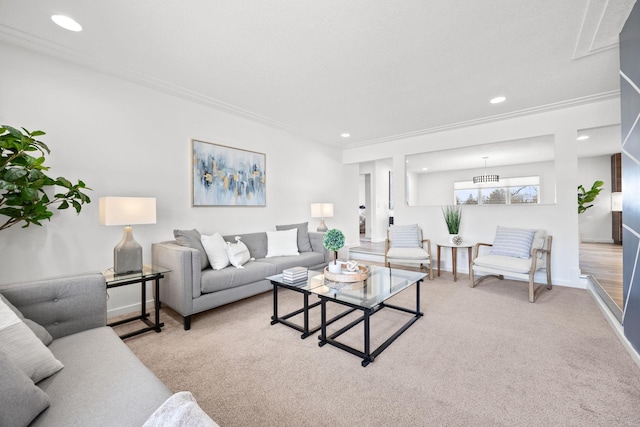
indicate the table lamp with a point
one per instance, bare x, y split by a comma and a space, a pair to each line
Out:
127, 255
322, 211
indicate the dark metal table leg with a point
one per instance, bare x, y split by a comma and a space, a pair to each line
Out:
274, 318
323, 322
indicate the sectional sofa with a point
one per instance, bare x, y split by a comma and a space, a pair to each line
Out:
193, 286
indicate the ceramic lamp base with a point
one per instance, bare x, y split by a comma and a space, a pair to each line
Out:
127, 255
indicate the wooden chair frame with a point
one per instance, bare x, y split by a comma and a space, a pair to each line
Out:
529, 276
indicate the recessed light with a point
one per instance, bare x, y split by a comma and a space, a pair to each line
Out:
66, 23
345, 135
425, 169
498, 100
582, 137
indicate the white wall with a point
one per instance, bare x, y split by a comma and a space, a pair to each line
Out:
479, 222
595, 223
123, 139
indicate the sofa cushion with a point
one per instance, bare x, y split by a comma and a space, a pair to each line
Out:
305, 259
96, 386
20, 400
282, 243
230, 277
23, 348
42, 334
514, 242
216, 249
304, 243
191, 239
180, 410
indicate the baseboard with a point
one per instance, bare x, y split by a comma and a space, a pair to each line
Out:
129, 309
615, 325
596, 240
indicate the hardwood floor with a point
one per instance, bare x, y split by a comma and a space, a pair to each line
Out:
603, 261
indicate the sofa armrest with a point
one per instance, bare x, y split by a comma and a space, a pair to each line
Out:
316, 240
63, 305
181, 285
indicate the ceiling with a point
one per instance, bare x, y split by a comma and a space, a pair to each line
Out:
379, 70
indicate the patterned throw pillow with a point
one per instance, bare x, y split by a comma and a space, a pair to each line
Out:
513, 242
238, 253
404, 236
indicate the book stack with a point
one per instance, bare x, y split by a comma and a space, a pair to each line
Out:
294, 274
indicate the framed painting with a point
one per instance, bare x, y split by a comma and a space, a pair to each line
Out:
227, 176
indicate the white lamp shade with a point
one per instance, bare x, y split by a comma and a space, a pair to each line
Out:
322, 210
616, 202
127, 210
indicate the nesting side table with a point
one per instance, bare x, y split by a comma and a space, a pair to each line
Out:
148, 273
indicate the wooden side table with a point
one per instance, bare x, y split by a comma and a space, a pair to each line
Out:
454, 255
148, 273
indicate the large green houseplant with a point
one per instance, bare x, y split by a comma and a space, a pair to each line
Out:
24, 184
588, 196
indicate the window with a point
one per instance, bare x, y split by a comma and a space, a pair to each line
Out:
508, 191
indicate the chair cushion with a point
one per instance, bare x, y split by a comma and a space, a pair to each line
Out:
513, 242
407, 253
507, 263
404, 236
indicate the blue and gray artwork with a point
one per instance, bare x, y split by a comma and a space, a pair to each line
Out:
224, 176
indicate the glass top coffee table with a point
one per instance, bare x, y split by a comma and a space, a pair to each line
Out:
368, 296
314, 278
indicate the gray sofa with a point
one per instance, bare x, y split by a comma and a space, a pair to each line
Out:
189, 289
102, 383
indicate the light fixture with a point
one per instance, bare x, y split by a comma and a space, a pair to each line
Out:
345, 135
66, 23
498, 100
127, 255
486, 177
322, 211
582, 137
616, 202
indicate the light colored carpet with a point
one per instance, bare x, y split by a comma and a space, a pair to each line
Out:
479, 357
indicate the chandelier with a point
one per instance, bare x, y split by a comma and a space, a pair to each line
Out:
486, 177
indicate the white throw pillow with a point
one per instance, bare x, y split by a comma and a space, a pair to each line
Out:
282, 243
216, 249
23, 348
238, 253
180, 410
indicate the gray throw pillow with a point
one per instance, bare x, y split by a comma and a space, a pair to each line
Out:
20, 399
304, 244
42, 334
191, 239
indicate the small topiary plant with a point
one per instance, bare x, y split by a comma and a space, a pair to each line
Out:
333, 241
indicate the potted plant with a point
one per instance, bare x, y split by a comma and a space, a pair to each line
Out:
24, 184
588, 196
334, 241
452, 217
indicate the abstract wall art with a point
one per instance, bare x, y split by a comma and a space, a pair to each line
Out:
227, 176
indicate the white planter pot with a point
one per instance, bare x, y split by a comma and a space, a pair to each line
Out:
335, 268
